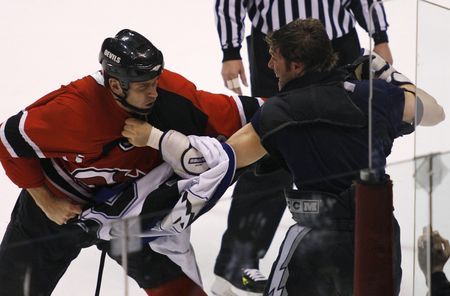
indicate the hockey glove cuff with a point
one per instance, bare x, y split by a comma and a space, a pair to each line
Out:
185, 160
383, 70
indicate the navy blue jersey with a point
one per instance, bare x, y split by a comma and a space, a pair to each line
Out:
327, 157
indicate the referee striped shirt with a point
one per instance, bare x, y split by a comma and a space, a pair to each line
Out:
339, 17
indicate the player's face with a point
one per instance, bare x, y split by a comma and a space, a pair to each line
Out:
283, 72
143, 95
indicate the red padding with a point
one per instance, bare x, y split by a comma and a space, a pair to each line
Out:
182, 286
373, 274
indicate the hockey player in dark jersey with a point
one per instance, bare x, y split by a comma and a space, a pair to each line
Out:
68, 145
316, 127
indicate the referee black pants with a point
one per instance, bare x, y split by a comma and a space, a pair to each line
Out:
258, 199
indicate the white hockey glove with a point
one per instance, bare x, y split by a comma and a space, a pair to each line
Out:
185, 160
383, 70
176, 150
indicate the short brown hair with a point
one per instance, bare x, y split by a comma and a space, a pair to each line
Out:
304, 41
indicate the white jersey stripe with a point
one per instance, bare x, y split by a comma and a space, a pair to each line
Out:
288, 11
260, 101
98, 77
327, 21
240, 109
222, 20
315, 9
275, 19
264, 12
69, 180
28, 139
234, 29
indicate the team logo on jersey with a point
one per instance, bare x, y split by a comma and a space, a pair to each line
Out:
126, 146
93, 177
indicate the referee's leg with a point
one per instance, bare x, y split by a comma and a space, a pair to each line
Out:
258, 199
256, 209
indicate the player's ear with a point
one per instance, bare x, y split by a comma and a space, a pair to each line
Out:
114, 84
297, 67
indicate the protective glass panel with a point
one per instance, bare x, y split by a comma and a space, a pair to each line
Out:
431, 177
433, 69
196, 57
431, 218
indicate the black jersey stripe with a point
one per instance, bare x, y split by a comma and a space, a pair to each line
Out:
15, 139
250, 105
237, 8
323, 14
260, 22
218, 26
281, 13
295, 11
269, 20
330, 12
228, 29
58, 181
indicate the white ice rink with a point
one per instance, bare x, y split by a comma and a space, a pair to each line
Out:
46, 43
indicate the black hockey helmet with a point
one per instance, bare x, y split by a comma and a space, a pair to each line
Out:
130, 57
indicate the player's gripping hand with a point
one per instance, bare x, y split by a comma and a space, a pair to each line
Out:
60, 210
137, 131
383, 70
57, 209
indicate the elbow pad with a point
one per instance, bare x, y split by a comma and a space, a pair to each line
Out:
177, 151
419, 110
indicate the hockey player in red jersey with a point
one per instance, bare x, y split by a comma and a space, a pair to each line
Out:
67, 145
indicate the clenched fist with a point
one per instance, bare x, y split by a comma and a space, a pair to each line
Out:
137, 131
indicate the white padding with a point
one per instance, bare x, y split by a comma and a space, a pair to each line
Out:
385, 71
154, 138
185, 160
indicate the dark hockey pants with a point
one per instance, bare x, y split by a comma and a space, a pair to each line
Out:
35, 253
319, 262
317, 254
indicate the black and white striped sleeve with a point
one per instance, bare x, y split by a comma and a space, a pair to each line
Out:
15, 139
230, 16
374, 23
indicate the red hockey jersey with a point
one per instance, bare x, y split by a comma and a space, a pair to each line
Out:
71, 139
